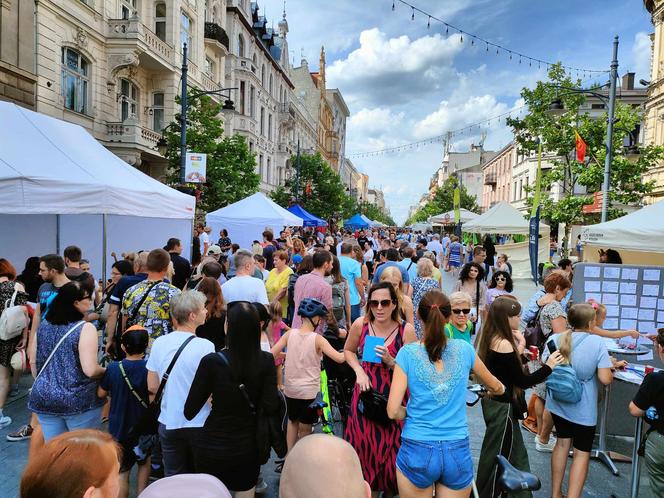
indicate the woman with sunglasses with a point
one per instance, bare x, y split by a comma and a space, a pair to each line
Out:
64, 395
501, 284
459, 325
471, 281
500, 348
376, 444
392, 275
435, 445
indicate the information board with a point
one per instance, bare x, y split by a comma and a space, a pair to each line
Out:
633, 294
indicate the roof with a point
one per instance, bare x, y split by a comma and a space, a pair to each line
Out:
501, 218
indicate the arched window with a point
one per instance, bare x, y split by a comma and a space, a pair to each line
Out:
128, 99
263, 75
127, 8
240, 46
270, 85
75, 80
160, 20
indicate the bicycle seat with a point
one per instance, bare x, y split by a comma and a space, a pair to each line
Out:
512, 480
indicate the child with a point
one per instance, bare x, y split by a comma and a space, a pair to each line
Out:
126, 408
302, 368
277, 329
600, 316
264, 318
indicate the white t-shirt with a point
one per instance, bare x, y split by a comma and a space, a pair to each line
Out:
181, 377
245, 288
436, 246
204, 238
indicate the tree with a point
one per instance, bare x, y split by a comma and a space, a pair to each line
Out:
231, 167
320, 190
372, 212
443, 201
558, 141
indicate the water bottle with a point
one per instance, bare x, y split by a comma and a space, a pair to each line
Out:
652, 413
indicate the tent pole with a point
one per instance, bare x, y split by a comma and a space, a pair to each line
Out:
103, 248
57, 234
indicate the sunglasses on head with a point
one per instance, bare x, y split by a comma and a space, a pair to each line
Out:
465, 311
374, 303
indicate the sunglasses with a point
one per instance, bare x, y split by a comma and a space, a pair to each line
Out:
465, 311
501, 279
86, 297
374, 303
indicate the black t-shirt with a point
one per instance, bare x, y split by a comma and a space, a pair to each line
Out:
361, 241
46, 295
651, 393
268, 254
182, 270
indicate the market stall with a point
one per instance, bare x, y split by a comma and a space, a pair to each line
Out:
309, 219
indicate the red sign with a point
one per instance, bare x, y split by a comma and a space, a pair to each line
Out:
596, 206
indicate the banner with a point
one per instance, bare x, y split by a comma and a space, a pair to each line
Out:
195, 167
533, 243
457, 204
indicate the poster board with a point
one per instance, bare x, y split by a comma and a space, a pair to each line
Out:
633, 294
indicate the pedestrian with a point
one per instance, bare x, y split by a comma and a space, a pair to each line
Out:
180, 352
460, 326
215, 319
81, 463
30, 278
64, 363
72, 256
224, 242
456, 256
240, 380
269, 248
471, 281
502, 263
435, 370
576, 422
501, 284
409, 262
304, 352
376, 444
313, 285
277, 280
423, 283
405, 303
351, 270
649, 403
500, 347
243, 286
180, 265
490, 249
437, 274
359, 257
126, 381
340, 294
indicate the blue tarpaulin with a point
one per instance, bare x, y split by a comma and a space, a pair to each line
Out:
309, 219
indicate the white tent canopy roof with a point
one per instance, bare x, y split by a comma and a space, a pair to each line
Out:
642, 230
49, 166
501, 218
245, 220
448, 217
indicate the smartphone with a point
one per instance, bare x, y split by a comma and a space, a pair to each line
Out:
552, 346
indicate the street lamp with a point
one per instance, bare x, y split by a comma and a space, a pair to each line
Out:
556, 108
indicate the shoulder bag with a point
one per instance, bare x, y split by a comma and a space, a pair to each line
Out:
149, 421
131, 388
132, 316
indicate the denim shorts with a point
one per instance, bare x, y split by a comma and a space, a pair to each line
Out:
425, 463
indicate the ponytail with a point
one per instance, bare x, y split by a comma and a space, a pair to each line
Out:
580, 317
565, 346
434, 310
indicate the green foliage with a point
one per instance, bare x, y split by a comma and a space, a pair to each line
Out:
558, 141
443, 201
320, 189
231, 167
374, 213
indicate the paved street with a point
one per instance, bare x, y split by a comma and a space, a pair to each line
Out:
600, 483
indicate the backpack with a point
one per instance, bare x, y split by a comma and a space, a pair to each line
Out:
563, 385
533, 332
338, 299
13, 319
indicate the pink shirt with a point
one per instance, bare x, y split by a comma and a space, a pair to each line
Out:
302, 374
312, 286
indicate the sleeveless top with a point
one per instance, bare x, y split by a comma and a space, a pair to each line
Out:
302, 375
62, 388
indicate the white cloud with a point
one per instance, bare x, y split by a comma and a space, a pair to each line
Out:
374, 122
641, 55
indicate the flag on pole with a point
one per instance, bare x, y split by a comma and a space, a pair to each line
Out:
580, 147
457, 204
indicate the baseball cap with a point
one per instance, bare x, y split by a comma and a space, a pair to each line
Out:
214, 249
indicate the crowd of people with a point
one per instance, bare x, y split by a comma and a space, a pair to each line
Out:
190, 362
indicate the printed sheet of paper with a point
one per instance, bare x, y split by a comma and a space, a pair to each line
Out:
608, 286
609, 298
595, 296
591, 271
613, 311
627, 324
630, 312
628, 300
630, 273
627, 288
650, 290
592, 286
611, 324
648, 302
660, 316
611, 272
660, 304
647, 327
651, 275
645, 314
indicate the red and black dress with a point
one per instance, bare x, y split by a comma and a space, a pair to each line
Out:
377, 446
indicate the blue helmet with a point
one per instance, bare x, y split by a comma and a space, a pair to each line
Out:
310, 308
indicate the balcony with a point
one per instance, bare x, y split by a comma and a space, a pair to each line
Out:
130, 132
216, 36
128, 35
245, 124
490, 178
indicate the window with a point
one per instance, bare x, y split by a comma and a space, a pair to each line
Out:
263, 75
260, 166
514, 196
252, 102
185, 33
520, 188
262, 124
75, 80
597, 106
158, 111
240, 46
128, 99
269, 127
127, 8
209, 68
242, 100
270, 85
160, 21
269, 171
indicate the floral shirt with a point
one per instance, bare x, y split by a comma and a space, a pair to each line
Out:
549, 313
155, 312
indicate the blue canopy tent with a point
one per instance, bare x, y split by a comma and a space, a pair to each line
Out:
309, 219
357, 221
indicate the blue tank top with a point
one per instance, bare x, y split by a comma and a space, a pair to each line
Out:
62, 388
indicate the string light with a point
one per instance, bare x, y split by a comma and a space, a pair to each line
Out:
474, 37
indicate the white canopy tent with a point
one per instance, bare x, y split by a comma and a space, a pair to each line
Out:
640, 232
246, 220
448, 217
59, 186
501, 218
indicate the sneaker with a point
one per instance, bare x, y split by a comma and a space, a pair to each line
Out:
24, 432
261, 486
5, 421
545, 448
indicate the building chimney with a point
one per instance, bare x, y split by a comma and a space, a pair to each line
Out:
628, 81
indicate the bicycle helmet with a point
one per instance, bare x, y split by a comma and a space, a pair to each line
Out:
310, 308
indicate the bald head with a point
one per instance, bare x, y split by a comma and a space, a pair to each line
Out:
323, 466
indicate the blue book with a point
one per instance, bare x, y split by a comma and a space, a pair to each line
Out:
369, 353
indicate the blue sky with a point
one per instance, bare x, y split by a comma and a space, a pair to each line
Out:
404, 82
